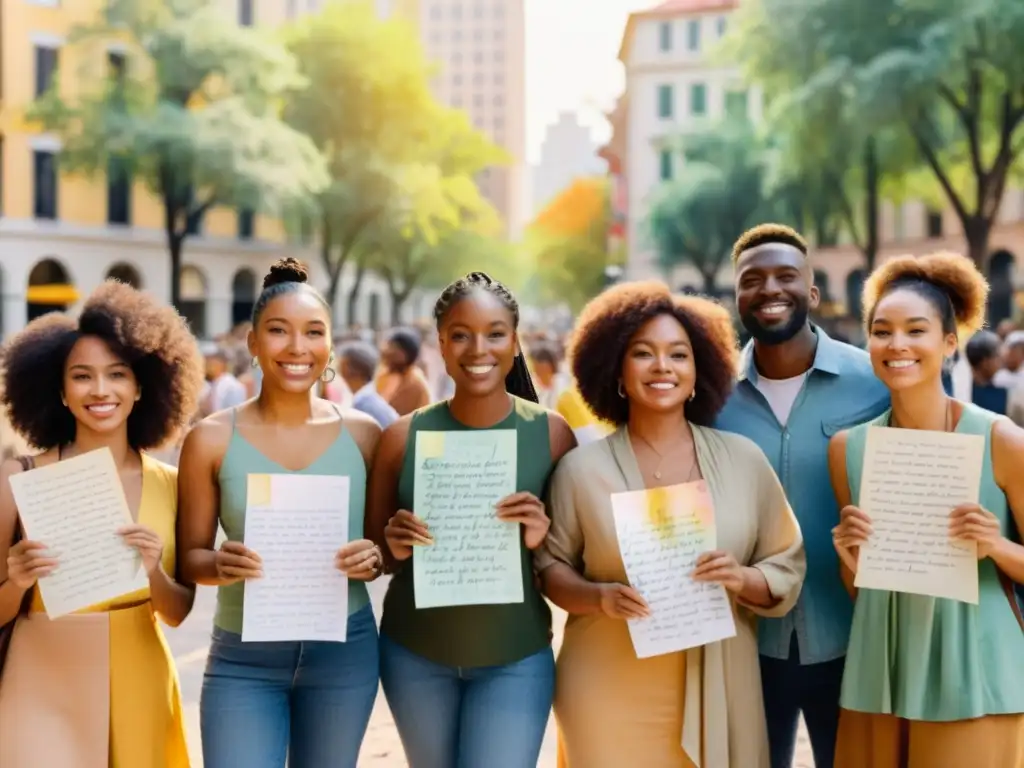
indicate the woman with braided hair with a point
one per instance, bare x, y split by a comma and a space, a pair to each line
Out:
469, 685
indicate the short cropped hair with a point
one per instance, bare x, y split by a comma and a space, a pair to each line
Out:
608, 322
764, 234
361, 356
151, 337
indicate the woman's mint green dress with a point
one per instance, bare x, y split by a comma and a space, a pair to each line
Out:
929, 659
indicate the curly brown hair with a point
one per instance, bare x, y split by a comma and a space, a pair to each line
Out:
949, 281
608, 322
151, 337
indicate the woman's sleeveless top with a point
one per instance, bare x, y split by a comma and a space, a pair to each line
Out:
342, 457
475, 635
934, 659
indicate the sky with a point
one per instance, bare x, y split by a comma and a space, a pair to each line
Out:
571, 62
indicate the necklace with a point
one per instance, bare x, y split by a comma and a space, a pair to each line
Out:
947, 424
661, 458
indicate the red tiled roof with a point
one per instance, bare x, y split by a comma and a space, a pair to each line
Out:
691, 6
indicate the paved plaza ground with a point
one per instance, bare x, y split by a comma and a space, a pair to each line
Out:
381, 748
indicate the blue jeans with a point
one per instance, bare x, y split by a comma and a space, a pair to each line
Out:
458, 717
309, 702
791, 688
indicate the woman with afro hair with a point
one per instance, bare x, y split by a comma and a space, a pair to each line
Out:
660, 368
931, 682
98, 687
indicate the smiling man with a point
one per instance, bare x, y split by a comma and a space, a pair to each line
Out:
797, 387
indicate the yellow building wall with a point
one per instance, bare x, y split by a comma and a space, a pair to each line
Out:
81, 201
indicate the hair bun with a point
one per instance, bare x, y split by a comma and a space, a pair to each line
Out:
287, 270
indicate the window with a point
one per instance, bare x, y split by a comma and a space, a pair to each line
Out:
245, 13
665, 35
736, 104
934, 223
119, 191
693, 34
722, 25
44, 174
246, 224
665, 163
698, 99
665, 101
46, 65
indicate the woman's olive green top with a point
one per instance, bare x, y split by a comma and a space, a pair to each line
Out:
474, 635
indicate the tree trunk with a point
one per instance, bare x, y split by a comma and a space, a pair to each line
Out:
175, 246
398, 299
710, 283
871, 204
977, 229
353, 294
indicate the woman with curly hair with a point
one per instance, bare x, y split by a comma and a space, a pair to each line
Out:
470, 685
98, 687
660, 367
265, 702
931, 682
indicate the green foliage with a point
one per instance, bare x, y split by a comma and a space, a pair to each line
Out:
195, 116
719, 192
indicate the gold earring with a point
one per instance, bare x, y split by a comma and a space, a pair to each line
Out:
63, 401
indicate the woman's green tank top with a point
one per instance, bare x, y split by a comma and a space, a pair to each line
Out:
342, 457
475, 635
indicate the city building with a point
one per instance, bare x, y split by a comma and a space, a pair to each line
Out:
480, 47
615, 154
567, 153
62, 235
674, 85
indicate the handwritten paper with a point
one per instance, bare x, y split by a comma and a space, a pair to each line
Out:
476, 557
662, 532
296, 524
912, 480
75, 507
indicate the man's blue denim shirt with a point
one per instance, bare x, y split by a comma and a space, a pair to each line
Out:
839, 392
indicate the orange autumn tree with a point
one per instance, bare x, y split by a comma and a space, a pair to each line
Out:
568, 244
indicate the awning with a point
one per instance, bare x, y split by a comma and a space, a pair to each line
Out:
53, 295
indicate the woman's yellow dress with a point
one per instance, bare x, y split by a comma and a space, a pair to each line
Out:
98, 689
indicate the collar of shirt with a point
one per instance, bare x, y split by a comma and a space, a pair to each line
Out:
826, 357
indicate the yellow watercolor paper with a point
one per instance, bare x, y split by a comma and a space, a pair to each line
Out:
430, 445
258, 491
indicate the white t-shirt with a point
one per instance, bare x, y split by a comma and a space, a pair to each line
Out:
781, 394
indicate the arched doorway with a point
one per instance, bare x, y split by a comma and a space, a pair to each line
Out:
193, 299
821, 280
854, 292
243, 296
1000, 280
49, 289
125, 273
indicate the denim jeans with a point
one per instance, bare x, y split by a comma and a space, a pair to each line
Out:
791, 688
309, 702
459, 717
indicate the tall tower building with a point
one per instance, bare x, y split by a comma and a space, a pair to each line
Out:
480, 47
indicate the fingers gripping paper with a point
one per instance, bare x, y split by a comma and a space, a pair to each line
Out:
476, 557
662, 532
911, 482
296, 524
75, 507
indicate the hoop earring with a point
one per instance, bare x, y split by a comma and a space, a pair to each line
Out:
255, 362
328, 379
693, 394
622, 392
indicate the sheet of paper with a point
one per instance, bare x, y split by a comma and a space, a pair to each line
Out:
75, 507
296, 524
662, 532
475, 558
912, 479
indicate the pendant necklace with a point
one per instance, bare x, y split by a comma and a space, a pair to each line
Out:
661, 459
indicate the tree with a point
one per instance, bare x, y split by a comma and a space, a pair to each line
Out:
718, 193
948, 74
441, 220
193, 116
366, 103
568, 244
